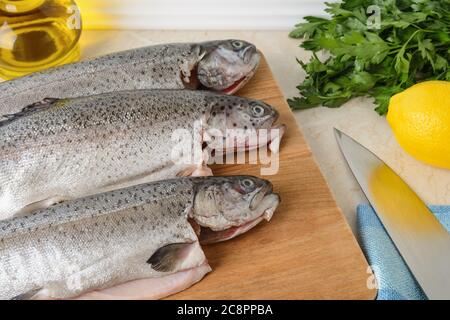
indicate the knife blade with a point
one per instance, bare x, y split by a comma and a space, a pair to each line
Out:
422, 241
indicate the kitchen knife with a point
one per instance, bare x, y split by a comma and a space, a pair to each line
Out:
421, 240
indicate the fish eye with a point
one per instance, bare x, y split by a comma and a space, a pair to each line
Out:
237, 45
258, 111
247, 184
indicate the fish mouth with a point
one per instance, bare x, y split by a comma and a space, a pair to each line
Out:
273, 141
237, 85
194, 83
274, 136
207, 235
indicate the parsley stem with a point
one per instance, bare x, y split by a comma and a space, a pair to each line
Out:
397, 49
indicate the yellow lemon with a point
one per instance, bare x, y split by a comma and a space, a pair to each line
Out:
420, 120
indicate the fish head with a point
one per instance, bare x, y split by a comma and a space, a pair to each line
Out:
227, 65
236, 124
225, 207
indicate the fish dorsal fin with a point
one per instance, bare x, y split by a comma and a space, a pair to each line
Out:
37, 106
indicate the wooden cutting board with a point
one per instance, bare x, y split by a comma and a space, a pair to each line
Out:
307, 250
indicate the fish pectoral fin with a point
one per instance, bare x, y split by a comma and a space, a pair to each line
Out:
167, 258
39, 205
27, 295
41, 105
196, 171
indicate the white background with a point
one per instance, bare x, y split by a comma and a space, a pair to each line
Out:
198, 14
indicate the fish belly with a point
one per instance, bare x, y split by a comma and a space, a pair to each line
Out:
103, 241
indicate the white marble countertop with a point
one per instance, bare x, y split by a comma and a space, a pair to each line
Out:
356, 118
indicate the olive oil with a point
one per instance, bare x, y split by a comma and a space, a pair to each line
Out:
37, 34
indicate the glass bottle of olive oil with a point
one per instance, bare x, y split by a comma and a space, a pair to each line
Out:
37, 34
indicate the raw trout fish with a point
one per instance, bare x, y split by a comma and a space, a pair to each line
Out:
141, 242
65, 149
223, 66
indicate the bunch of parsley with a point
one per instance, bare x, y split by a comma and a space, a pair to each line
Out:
376, 48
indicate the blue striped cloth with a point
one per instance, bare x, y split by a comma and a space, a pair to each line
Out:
395, 281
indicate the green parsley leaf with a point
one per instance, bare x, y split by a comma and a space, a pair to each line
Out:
410, 44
